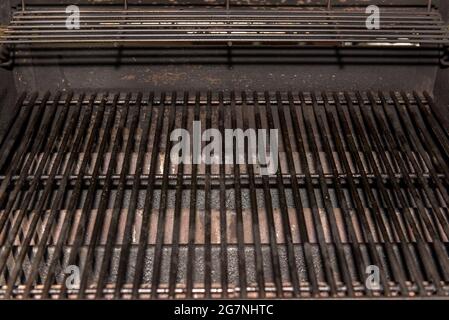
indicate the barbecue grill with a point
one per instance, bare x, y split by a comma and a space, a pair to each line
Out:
88, 190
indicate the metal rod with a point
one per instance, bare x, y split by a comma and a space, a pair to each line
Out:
90, 197
191, 253
20, 157
76, 147
74, 198
146, 219
161, 221
310, 134
433, 274
14, 132
271, 227
318, 225
259, 264
67, 134
238, 208
208, 210
8, 133
105, 193
224, 40
112, 232
350, 225
385, 228
299, 210
239, 13
225, 27
426, 144
130, 218
439, 130
441, 218
432, 114
416, 230
223, 211
40, 142
368, 231
174, 259
299, 26
36, 34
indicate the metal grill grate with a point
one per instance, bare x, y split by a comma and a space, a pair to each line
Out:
87, 181
345, 27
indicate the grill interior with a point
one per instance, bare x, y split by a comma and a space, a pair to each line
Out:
87, 178
361, 182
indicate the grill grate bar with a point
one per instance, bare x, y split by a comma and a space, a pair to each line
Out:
310, 192
386, 233
220, 26
20, 152
15, 225
208, 212
271, 230
90, 197
419, 146
427, 141
174, 259
430, 221
120, 195
223, 213
12, 131
124, 251
362, 181
60, 194
254, 215
432, 271
238, 209
73, 200
298, 205
324, 189
105, 193
89, 203
354, 193
408, 255
48, 188
358, 255
148, 204
163, 204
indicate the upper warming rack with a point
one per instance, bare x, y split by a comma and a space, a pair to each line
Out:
406, 27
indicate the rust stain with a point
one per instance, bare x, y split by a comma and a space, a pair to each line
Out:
129, 77
166, 77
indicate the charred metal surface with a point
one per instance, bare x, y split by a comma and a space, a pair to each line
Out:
362, 180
